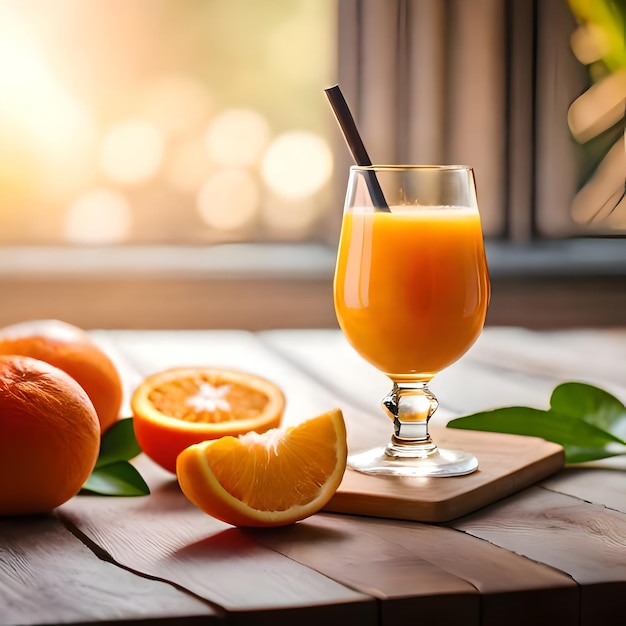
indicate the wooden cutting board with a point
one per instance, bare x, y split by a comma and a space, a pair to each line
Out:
506, 464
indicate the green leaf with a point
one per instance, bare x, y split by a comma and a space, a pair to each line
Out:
520, 420
113, 475
575, 454
582, 439
116, 479
118, 443
593, 405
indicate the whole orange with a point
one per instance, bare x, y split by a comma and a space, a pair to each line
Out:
72, 350
49, 436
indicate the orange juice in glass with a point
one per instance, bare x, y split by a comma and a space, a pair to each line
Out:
411, 293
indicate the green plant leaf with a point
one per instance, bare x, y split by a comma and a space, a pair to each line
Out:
582, 418
575, 454
113, 475
116, 479
593, 405
520, 420
118, 443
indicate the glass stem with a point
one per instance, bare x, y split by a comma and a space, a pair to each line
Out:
410, 406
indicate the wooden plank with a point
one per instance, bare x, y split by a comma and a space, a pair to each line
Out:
197, 552
596, 357
140, 353
585, 541
164, 536
311, 385
507, 463
171, 301
469, 385
380, 564
326, 358
506, 366
599, 486
429, 570
47, 576
559, 300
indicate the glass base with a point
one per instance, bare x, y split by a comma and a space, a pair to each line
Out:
439, 462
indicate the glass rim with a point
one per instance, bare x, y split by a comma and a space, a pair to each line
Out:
409, 167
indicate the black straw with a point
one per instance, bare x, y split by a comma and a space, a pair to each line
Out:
355, 143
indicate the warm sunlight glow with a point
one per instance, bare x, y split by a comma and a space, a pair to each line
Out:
297, 164
132, 151
229, 199
237, 137
98, 217
33, 104
167, 109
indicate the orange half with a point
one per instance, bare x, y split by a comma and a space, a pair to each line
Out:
270, 479
180, 407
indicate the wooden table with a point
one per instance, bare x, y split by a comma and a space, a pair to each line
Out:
553, 553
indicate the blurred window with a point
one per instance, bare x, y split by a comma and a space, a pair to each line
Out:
203, 121
164, 122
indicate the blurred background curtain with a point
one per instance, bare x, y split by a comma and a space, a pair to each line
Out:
480, 82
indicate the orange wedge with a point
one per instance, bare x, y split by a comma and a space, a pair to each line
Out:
272, 479
179, 407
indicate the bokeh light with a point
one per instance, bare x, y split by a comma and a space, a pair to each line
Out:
132, 151
229, 199
99, 216
237, 137
297, 164
138, 99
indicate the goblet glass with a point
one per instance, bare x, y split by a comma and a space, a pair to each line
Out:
411, 291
